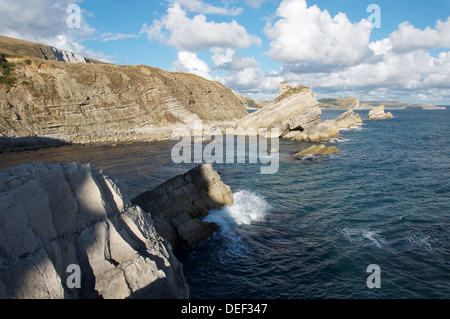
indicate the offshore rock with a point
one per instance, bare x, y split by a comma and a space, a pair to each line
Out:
53, 216
296, 109
318, 150
296, 114
378, 113
346, 120
179, 205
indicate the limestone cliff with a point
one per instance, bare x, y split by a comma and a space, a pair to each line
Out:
79, 102
53, 216
37, 50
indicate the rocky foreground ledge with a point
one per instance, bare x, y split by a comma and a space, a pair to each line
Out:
54, 217
179, 205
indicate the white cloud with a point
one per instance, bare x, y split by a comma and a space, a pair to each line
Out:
45, 21
408, 38
189, 62
243, 74
205, 8
220, 56
186, 34
402, 75
309, 35
119, 36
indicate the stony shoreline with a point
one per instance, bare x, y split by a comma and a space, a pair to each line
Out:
56, 217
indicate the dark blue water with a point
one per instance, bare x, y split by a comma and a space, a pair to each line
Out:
385, 200
312, 229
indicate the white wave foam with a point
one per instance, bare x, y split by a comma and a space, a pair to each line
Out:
247, 208
357, 127
358, 235
339, 140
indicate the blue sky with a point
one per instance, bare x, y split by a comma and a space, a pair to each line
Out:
252, 45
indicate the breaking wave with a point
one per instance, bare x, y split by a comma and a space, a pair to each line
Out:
247, 207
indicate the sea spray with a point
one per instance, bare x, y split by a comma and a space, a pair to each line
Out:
248, 207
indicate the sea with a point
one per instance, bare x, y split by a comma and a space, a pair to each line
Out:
372, 222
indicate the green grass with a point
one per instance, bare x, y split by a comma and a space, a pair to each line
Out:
6, 69
291, 92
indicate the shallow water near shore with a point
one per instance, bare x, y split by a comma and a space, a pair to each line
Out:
312, 229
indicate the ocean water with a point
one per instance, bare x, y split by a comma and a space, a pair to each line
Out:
312, 229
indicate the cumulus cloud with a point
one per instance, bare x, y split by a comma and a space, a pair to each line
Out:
408, 38
243, 74
45, 21
189, 62
221, 56
185, 34
401, 75
205, 8
309, 35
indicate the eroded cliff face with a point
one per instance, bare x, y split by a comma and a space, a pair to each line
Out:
53, 216
103, 102
41, 51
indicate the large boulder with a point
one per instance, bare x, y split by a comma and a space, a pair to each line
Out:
294, 110
317, 150
378, 113
179, 205
56, 217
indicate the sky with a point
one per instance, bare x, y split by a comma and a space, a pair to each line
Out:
374, 50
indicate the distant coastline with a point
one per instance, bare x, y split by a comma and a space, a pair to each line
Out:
353, 103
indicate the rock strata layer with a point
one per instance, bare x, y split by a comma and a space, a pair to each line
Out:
54, 216
179, 205
86, 103
297, 116
378, 113
295, 110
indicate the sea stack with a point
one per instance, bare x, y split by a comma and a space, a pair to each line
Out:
379, 114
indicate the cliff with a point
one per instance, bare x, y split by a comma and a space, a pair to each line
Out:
82, 103
54, 216
17, 47
398, 105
